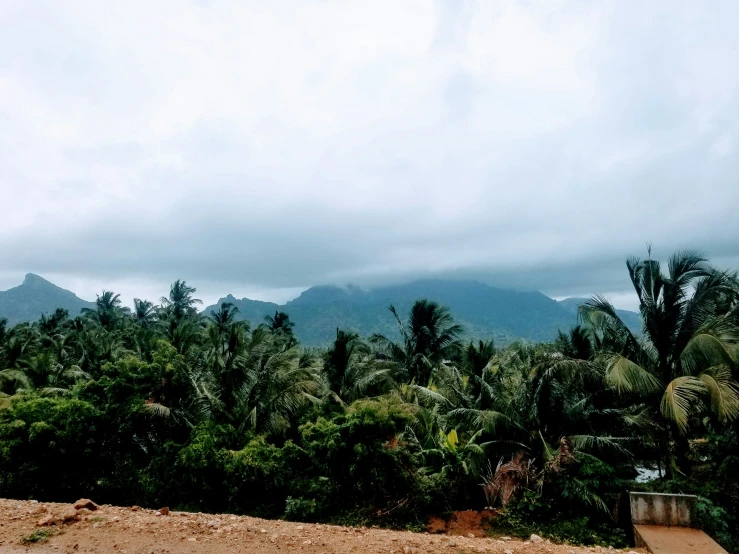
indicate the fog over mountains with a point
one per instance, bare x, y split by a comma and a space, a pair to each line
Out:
484, 311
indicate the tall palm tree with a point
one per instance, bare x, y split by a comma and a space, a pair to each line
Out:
3, 330
281, 326
144, 313
227, 336
428, 337
339, 357
352, 371
180, 302
225, 317
107, 310
682, 363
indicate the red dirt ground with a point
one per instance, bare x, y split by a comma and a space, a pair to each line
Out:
119, 530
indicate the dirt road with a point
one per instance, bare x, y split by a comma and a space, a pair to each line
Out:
111, 529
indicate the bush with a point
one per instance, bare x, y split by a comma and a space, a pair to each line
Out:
50, 448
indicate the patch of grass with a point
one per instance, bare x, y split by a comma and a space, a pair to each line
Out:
39, 535
96, 519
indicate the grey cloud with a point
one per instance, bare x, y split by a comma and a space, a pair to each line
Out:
541, 166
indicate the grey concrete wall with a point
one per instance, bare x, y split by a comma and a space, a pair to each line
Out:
651, 508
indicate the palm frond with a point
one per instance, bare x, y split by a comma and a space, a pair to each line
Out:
723, 392
680, 397
626, 376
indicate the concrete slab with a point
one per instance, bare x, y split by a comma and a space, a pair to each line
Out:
652, 508
675, 540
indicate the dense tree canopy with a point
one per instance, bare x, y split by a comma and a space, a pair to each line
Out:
162, 405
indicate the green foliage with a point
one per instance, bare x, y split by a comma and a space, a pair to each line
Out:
161, 406
39, 535
47, 446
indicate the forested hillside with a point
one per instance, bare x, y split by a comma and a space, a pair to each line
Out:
482, 310
164, 406
36, 296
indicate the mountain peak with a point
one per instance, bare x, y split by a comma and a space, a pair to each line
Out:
33, 280
36, 296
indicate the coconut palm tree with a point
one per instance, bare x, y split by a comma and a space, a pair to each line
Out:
180, 302
352, 371
428, 337
682, 363
144, 313
107, 310
263, 389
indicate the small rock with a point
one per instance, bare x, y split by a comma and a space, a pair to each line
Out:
536, 539
85, 503
299, 528
116, 518
470, 535
192, 539
505, 538
70, 517
308, 542
135, 508
164, 511
508, 552
262, 530
47, 520
452, 543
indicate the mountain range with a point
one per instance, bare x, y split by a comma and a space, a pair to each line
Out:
484, 311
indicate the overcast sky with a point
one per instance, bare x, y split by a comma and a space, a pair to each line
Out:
259, 148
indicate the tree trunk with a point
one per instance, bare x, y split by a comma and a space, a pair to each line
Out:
680, 463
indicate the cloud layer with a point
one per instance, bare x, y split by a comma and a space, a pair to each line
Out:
260, 148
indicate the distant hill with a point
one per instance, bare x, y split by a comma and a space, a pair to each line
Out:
484, 311
631, 319
36, 296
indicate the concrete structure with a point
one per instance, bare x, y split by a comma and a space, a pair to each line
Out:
672, 510
663, 524
675, 540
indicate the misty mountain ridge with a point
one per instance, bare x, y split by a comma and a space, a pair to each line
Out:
484, 311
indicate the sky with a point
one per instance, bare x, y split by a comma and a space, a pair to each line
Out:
259, 148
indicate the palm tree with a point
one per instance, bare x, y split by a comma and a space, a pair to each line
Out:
352, 371
50, 324
339, 357
281, 326
107, 309
3, 330
48, 376
682, 363
576, 344
225, 317
263, 389
280, 323
227, 336
180, 303
144, 313
428, 337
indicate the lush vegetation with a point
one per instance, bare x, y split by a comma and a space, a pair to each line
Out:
160, 405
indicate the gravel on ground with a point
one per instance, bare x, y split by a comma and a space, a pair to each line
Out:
133, 530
